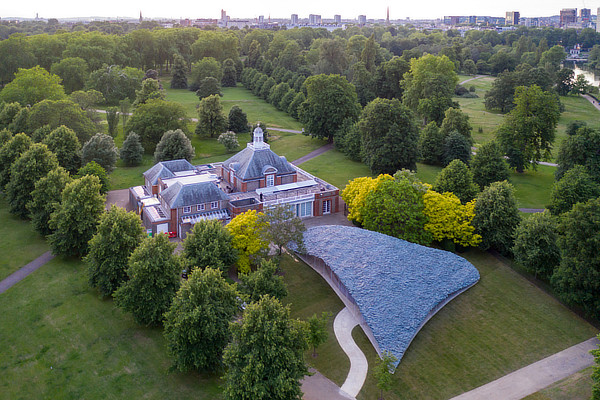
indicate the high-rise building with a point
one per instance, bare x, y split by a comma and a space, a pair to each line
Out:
261, 19
585, 14
362, 19
294, 19
314, 19
568, 16
512, 17
337, 19
451, 20
597, 21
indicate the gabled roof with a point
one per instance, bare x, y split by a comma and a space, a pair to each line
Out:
181, 195
250, 163
167, 169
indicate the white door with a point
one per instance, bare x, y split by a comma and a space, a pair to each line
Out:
162, 228
326, 207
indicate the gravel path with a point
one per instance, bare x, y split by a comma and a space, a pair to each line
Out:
22, 273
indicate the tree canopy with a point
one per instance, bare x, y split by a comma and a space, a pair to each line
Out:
209, 244
174, 145
31, 86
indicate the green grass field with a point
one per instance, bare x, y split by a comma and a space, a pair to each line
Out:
19, 243
576, 387
501, 324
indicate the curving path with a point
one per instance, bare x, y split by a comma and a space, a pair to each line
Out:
342, 326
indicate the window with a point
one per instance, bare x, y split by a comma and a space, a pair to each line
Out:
304, 209
214, 204
326, 206
270, 180
200, 207
187, 210
231, 177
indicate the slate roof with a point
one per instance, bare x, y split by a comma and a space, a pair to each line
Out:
251, 163
181, 195
396, 284
167, 169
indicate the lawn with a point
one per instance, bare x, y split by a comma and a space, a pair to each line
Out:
335, 168
501, 324
576, 387
19, 243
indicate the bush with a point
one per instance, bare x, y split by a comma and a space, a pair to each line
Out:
174, 145
229, 140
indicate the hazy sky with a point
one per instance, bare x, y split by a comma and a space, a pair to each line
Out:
283, 9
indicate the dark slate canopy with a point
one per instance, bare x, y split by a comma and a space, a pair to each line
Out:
179, 195
167, 169
396, 284
250, 163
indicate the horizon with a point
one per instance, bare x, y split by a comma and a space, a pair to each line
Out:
237, 9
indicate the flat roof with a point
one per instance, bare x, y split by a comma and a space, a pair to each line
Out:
287, 186
191, 179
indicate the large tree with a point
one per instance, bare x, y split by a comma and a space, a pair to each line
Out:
32, 165
576, 186
457, 178
211, 119
151, 90
119, 233
76, 217
63, 142
529, 129
116, 83
132, 150
536, 245
101, 149
62, 112
389, 136
431, 145
9, 153
31, 86
488, 165
237, 120
330, 100
209, 244
576, 279
179, 79
456, 121
153, 272
580, 149
73, 71
282, 227
206, 67
265, 359
263, 281
152, 119
429, 86
246, 230
197, 323
497, 216
46, 197
174, 145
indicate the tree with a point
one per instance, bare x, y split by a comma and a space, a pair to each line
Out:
32, 165
529, 130
282, 227
124, 107
211, 119
95, 169
174, 145
152, 119
576, 186
246, 231
389, 136
112, 119
574, 126
179, 79
457, 178
448, 219
73, 71
20, 122
206, 67
389, 76
263, 281
580, 149
429, 86
116, 83
9, 153
266, 87
229, 73
294, 106
355, 194
45, 198
265, 358
576, 278
596, 371
150, 90
132, 151
88, 100
488, 165
238, 121
8, 113
395, 208
209, 244
496, 216
383, 372
207, 87
501, 95
15, 52
62, 112
317, 330
286, 100
63, 142
329, 101
456, 121
431, 144
564, 81
197, 323
277, 93
229, 140
153, 280
101, 149
119, 234
456, 147
76, 217
5, 136
31, 86
536, 245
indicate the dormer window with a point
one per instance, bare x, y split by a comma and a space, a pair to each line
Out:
270, 181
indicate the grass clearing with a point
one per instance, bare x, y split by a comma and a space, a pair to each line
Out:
576, 387
19, 242
501, 324
334, 167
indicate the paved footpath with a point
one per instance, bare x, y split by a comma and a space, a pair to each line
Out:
25, 271
536, 376
313, 154
343, 325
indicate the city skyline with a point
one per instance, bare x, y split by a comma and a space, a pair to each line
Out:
237, 9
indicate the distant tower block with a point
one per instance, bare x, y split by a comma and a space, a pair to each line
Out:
387, 18
141, 19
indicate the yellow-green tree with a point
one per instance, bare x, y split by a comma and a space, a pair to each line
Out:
246, 231
356, 192
449, 219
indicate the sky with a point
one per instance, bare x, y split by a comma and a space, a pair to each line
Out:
283, 9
